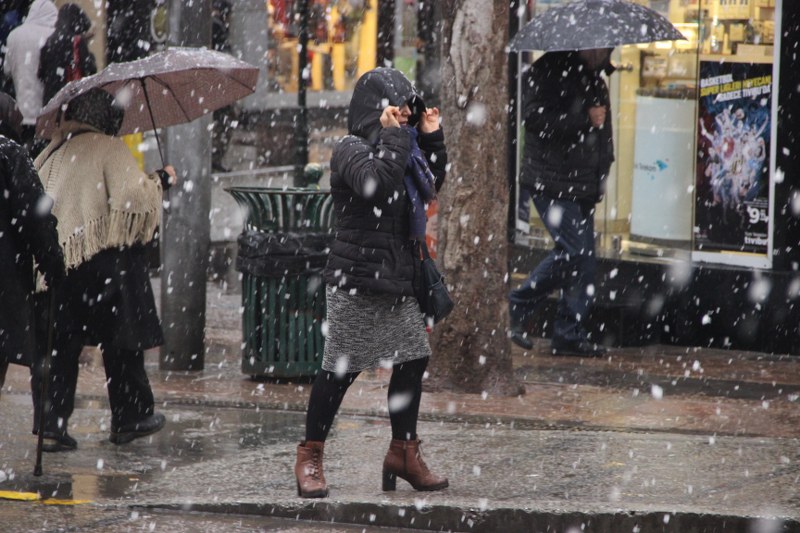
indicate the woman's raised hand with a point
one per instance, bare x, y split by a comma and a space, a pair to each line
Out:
429, 121
390, 117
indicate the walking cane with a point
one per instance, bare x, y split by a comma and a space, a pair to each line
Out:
37, 470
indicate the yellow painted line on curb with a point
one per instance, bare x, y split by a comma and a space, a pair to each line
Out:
54, 501
19, 496
34, 497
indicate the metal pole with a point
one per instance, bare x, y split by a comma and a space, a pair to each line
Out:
186, 227
386, 31
512, 133
301, 125
429, 31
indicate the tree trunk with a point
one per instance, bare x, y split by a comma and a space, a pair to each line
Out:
472, 351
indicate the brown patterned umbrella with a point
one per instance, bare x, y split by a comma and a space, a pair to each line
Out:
171, 87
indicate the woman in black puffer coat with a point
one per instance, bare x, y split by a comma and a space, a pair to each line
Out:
374, 319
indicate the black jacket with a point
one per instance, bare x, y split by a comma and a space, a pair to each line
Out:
57, 53
564, 156
108, 300
27, 231
371, 250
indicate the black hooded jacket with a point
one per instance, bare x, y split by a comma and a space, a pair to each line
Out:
564, 156
371, 250
27, 232
56, 54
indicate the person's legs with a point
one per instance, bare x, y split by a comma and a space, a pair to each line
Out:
3, 370
549, 274
579, 269
323, 403
129, 391
405, 393
404, 458
132, 404
63, 379
326, 396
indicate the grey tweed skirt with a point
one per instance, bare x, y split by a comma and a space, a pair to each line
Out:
372, 330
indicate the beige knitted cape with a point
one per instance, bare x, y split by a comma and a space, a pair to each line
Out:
101, 197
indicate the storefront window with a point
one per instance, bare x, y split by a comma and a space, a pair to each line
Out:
692, 154
342, 43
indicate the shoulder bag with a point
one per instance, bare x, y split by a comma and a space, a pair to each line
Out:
433, 297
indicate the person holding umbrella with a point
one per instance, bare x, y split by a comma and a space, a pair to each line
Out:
27, 233
108, 212
569, 150
567, 156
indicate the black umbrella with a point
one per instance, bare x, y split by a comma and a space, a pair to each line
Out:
588, 24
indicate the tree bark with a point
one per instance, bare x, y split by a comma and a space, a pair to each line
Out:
472, 351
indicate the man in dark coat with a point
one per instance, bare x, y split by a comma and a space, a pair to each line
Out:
568, 153
27, 232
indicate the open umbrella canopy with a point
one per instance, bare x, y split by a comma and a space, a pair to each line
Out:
588, 24
171, 87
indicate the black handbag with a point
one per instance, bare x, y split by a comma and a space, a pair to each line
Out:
434, 299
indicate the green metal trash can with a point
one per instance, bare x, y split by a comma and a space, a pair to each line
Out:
281, 253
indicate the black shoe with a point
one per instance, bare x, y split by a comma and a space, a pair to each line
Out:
135, 430
520, 338
579, 348
57, 441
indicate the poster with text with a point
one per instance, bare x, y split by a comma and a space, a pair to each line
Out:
733, 146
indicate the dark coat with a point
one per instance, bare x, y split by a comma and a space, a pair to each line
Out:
27, 231
109, 300
57, 52
564, 156
371, 250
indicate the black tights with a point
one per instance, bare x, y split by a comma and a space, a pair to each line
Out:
405, 392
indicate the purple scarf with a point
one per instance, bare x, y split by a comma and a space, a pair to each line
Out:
420, 186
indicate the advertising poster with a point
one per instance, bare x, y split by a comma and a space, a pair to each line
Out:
733, 146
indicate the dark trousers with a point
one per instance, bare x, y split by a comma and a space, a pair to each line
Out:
129, 391
405, 392
3, 370
571, 266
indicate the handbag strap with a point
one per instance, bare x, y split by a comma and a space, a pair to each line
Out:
76, 55
423, 250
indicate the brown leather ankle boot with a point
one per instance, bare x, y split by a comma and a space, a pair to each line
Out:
308, 470
404, 460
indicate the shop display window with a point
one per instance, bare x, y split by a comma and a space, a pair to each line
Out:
342, 43
692, 168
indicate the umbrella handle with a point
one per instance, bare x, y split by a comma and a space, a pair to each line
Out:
152, 120
158, 141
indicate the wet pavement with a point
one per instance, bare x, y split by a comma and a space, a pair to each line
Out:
660, 438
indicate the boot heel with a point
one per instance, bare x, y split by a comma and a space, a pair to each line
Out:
389, 481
